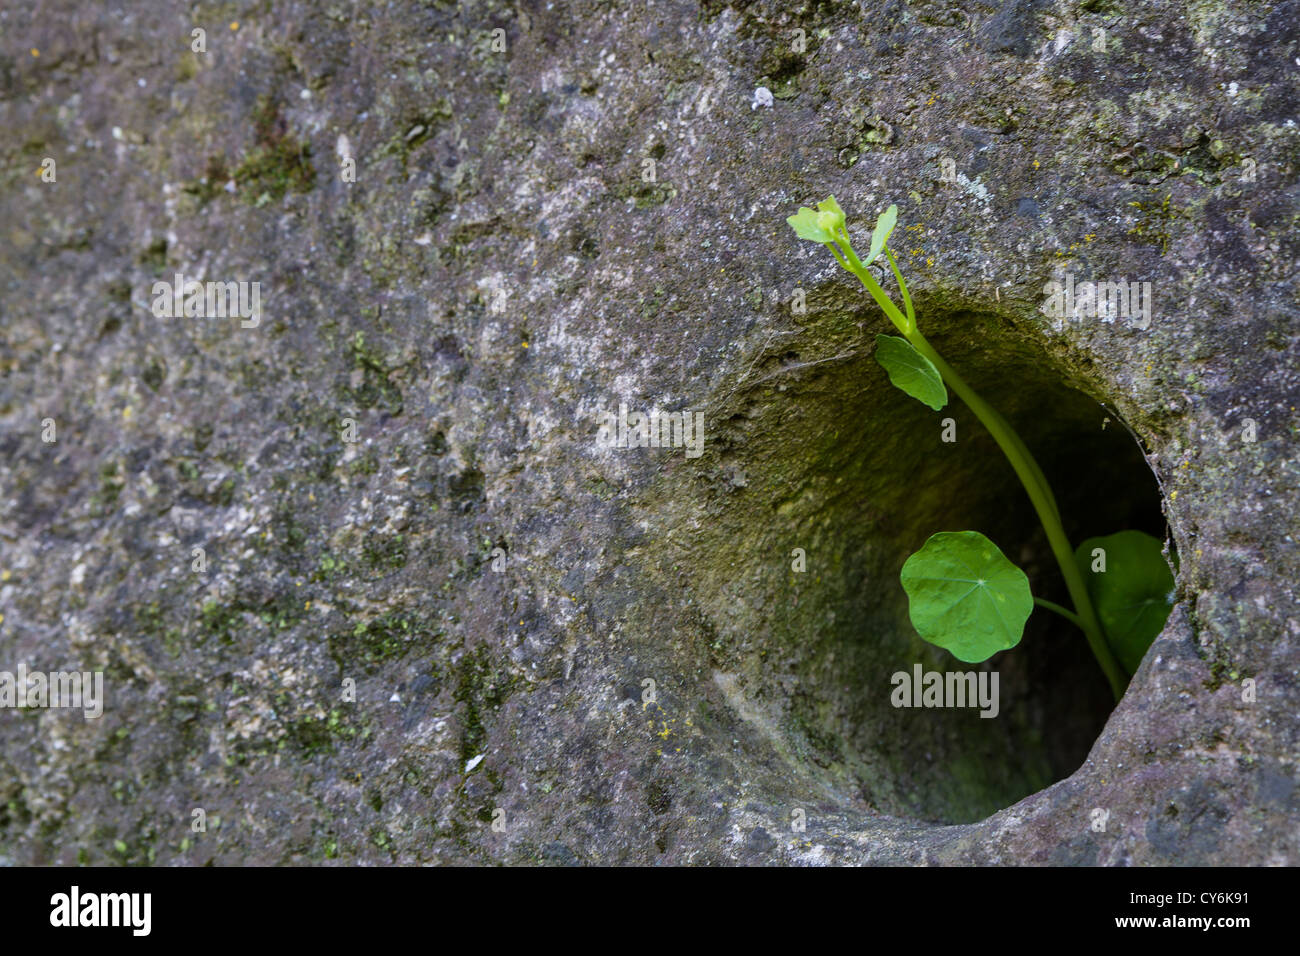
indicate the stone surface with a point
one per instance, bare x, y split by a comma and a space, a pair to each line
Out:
502, 271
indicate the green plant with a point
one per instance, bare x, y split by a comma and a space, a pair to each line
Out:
963, 593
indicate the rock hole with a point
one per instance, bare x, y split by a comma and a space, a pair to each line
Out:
853, 475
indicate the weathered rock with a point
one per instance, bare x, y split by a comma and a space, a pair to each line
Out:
504, 269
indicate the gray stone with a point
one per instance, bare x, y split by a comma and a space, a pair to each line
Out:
504, 269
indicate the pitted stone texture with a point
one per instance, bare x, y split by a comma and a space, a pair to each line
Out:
502, 269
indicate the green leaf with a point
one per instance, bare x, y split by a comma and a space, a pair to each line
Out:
884, 226
964, 595
805, 223
911, 371
1132, 596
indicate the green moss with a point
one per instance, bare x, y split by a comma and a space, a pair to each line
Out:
217, 620
154, 374
154, 256
187, 66
278, 162
289, 531
213, 181
387, 637
644, 195
650, 306
224, 495
416, 130
225, 621
147, 619
388, 554
381, 838
482, 686
110, 488
172, 641
783, 85
601, 488
313, 735
328, 568
366, 464
376, 388
1152, 226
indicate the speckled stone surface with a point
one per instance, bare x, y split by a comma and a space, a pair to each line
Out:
569, 653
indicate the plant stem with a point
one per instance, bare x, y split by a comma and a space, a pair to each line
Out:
1031, 476
1068, 615
1026, 468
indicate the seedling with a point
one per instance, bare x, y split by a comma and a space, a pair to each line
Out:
963, 593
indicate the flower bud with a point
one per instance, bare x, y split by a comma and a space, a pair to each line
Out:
830, 221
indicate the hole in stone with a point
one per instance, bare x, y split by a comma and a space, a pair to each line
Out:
837, 462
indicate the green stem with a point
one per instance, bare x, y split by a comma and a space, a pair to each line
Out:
1026, 468
851, 262
902, 287
1031, 476
1067, 614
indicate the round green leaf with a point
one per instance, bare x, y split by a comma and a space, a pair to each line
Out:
964, 595
1132, 596
911, 371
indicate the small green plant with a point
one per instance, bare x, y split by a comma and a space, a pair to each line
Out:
963, 593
